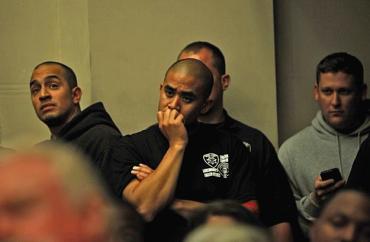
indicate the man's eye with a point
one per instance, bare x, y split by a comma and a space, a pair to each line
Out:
35, 90
339, 222
326, 91
53, 85
169, 92
345, 92
187, 99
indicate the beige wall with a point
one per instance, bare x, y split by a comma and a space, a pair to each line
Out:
32, 32
120, 51
306, 32
134, 42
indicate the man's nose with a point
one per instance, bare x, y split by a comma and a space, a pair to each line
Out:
349, 234
335, 99
44, 93
175, 103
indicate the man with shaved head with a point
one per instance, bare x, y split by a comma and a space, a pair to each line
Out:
193, 163
56, 96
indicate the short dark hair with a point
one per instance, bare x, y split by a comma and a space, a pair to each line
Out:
331, 197
68, 72
218, 57
341, 62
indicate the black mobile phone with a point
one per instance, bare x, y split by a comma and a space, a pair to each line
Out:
333, 173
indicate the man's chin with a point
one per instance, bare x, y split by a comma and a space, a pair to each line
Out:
341, 126
52, 120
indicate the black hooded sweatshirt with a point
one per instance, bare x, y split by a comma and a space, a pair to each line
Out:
92, 131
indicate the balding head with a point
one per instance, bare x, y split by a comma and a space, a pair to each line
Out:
186, 87
196, 69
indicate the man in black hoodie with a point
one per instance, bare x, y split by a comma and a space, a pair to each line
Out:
56, 99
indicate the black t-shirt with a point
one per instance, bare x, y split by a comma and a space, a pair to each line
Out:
274, 195
216, 165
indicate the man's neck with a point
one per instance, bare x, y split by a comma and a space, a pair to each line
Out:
55, 130
215, 116
355, 125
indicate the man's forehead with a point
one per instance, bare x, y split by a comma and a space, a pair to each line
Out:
48, 69
336, 76
26, 172
25, 163
349, 201
182, 82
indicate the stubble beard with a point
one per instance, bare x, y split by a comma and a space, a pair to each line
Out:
53, 121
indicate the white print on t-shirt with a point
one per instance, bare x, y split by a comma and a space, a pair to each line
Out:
249, 147
219, 165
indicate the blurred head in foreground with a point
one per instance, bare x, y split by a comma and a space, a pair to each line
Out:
50, 193
224, 212
228, 233
345, 217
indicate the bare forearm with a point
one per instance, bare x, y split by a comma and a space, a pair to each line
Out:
157, 190
185, 207
282, 232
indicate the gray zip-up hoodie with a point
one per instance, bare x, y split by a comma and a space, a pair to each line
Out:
316, 148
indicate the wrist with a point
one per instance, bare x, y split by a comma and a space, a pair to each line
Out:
179, 146
314, 199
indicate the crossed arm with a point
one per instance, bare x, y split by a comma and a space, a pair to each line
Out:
281, 232
157, 190
182, 207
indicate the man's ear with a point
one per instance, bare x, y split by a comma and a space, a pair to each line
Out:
315, 92
364, 91
225, 81
206, 106
76, 95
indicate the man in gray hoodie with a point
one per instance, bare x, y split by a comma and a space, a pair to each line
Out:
333, 138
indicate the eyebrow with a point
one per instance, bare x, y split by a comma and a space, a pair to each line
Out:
47, 78
168, 87
183, 93
188, 94
33, 82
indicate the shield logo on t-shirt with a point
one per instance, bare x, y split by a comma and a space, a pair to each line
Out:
211, 159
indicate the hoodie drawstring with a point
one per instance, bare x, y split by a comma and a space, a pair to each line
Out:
339, 153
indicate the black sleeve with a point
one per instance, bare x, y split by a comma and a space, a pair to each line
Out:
359, 177
243, 175
123, 157
274, 194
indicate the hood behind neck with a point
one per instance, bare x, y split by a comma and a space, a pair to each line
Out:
88, 118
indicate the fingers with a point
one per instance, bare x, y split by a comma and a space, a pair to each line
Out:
169, 119
320, 184
141, 171
323, 188
340, 184
168, 116
160, 117
144, 168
